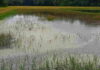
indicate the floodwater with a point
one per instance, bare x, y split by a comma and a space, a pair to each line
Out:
37, 35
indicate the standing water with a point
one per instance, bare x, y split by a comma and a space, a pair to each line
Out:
33, 34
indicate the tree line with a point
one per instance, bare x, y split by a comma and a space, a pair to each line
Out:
49, 2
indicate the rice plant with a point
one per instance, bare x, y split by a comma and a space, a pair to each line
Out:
69, 63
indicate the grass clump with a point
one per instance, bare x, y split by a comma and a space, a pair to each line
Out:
5, 41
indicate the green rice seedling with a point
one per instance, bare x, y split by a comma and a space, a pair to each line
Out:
66, 63
10, 67
73, 63
47, 65
2, 65
33, 64
69, 63
21, 66
59, 65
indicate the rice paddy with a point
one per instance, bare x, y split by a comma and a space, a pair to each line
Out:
31, 41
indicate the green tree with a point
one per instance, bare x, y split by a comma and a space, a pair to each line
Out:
3, 2
52, 2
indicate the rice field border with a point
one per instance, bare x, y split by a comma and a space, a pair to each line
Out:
55, 11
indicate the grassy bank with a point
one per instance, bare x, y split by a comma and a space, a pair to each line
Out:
87, 13
5, 12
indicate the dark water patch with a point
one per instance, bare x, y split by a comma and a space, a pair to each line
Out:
5, 41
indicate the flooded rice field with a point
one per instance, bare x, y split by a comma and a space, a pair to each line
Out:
27, 37
34, 34
37, 36
31, 34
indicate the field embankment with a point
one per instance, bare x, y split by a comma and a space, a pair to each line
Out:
84, 13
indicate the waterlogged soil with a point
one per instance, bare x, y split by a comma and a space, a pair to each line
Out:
38, 36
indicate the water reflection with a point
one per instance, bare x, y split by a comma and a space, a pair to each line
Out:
39, 33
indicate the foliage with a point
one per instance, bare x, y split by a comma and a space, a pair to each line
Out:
51, 2
3, 2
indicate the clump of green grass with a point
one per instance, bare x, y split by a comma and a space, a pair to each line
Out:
5, 41
9, 13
